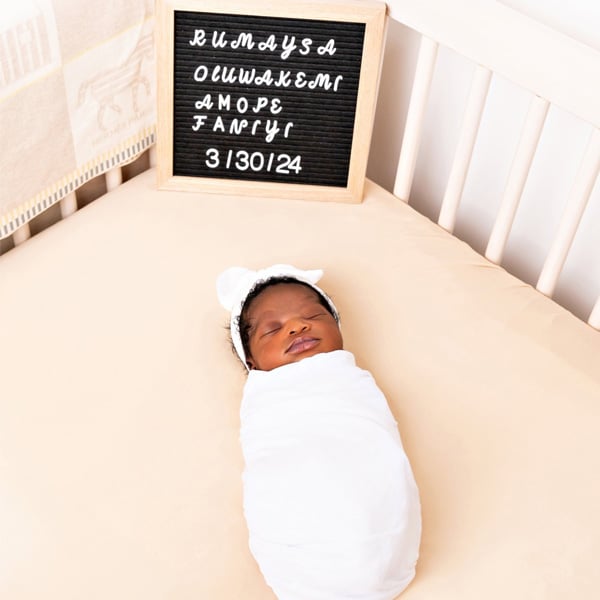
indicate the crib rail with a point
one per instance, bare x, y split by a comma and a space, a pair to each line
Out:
79, 198
555, 69
548, 64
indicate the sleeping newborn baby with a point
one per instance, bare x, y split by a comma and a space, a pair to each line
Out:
330, 500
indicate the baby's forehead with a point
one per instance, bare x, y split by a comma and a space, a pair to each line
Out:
290, 287
290, 290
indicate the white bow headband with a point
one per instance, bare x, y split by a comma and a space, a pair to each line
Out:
234, 285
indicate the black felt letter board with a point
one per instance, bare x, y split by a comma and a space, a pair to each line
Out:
264, 98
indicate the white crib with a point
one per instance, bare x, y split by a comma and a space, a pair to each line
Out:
119, 396
546, 75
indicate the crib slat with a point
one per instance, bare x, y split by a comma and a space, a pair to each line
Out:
68, 205
594, 319
152, 156
414, 118
22, 234
114, 178
517, 177
464, 150
580, 193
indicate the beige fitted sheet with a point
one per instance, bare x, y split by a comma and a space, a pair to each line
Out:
119, 396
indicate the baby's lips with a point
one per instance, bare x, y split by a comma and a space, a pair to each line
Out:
302, 344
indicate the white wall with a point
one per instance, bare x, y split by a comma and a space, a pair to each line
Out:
562, 145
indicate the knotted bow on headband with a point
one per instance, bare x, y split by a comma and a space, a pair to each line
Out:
234, 285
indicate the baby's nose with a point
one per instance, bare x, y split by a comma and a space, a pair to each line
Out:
297, 325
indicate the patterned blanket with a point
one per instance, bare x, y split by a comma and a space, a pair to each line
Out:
77, 98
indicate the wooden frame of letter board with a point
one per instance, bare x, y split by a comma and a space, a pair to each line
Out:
370, 12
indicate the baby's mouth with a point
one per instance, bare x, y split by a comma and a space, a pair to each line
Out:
302, 344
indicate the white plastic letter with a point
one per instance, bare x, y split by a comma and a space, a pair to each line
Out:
260, 104
224, 101
300, 81
201, 73
199, 38
218, 39
237, 126
268, 44
199, 122
272, 130
328, 48
306, 44
243, 39
219, 126
276, 107
288, 45
205, 103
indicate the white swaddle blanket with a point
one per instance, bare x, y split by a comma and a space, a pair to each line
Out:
329, 497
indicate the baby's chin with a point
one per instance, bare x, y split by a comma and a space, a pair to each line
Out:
294, 358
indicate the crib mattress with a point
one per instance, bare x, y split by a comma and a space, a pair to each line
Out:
120, 460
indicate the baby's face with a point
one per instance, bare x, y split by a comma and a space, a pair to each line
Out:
287, 324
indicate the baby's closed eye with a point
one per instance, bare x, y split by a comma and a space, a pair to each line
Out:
270, 329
